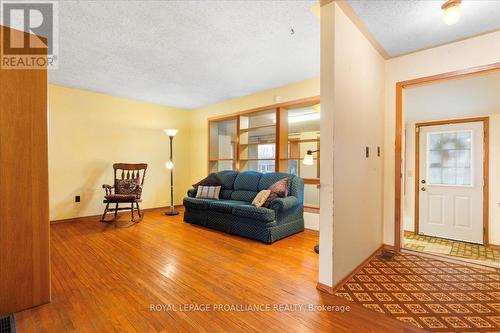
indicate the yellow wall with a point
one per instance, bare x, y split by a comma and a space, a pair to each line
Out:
88, 132
199, 117
481, 50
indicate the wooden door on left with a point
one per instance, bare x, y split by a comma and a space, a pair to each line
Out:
24, 207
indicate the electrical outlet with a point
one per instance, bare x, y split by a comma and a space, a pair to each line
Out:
77, 198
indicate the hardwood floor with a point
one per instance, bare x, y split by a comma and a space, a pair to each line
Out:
105, 279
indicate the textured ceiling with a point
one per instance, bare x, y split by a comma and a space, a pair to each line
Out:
185, 54
403, 26
463, 98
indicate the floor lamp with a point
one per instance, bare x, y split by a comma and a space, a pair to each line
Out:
309, 160
170, 166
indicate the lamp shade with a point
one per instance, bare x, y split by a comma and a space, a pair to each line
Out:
171, 131
308, 159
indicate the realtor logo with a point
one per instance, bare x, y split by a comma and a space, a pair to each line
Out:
29, 34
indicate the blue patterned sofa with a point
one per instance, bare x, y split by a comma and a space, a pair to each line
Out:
234, 214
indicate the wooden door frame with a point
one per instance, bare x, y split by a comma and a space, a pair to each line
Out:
486, 161
398, 160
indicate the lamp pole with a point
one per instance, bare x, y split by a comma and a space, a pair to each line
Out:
170, 166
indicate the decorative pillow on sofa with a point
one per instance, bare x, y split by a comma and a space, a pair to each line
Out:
278, 190
210, 180
126, 186
260, 198
208, 192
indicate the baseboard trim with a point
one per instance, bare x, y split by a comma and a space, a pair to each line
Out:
90, 217
357, 268
324, 288
387, 247
458, 261
495, 246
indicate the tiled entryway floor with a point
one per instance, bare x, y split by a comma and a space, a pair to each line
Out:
474, 253
436, 295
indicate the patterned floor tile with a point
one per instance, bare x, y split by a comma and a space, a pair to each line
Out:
475, 253
432, 294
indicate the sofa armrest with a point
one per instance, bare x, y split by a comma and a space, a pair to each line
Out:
282, 204
191, 192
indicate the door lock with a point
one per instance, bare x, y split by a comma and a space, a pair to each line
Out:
423, 189
423, 181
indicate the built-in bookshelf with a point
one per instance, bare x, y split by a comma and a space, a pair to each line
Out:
268, 139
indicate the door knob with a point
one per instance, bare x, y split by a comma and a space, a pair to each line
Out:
423, 189
423, 181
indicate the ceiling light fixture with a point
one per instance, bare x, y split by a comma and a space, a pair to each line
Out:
303, 117
451, 11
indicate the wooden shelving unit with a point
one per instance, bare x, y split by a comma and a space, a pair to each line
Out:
257, 143
272, 119
257, 159
243, 130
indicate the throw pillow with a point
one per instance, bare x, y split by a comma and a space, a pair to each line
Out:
278, 190
208, 192
260, 198
210, 180
126, 186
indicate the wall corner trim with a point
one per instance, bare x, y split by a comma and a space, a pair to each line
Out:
324, 288
356, 20
358, 268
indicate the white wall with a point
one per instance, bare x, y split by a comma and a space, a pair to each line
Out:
468, 97
311, 221
409, 181
326, 128
494, 226
472, 52
356, 111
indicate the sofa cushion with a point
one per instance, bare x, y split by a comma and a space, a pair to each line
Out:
243, 195
196, 203
126, 186
269, 179
261, 198
227, 178
278, 190
210, 180
226, 194
247, 181
251, 212
121, 197
225, 206
208, 192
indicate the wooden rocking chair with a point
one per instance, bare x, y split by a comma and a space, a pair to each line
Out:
127, 189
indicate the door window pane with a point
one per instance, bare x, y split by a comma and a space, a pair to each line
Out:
449, 158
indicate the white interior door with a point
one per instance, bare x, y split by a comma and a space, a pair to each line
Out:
451, 181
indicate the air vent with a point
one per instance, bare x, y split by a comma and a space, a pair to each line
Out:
387, 256
7, 324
